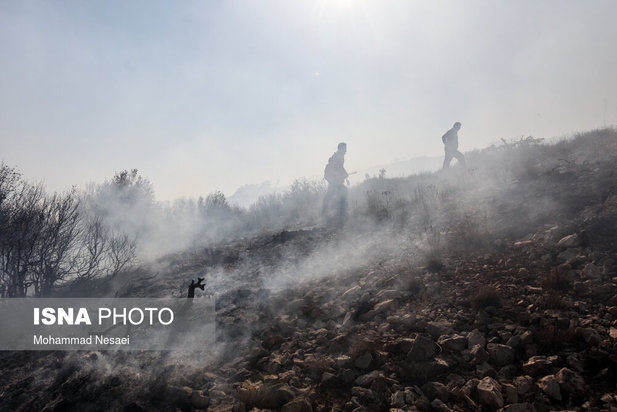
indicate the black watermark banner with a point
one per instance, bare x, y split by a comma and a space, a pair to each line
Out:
106, 323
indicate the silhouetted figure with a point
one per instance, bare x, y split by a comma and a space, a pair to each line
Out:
194, 286
336, 196
450, 141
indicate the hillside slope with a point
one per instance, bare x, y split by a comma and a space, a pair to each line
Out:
479, 290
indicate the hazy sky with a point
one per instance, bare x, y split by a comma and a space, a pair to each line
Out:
210, 95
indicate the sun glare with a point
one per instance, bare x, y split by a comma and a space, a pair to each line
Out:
325, 6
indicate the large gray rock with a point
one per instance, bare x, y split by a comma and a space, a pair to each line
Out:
489, 393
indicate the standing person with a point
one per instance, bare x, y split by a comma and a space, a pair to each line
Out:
450, 141
336, 196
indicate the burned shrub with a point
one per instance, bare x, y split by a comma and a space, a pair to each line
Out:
484, 297
434, 264
558, 280
551, 338
553, 300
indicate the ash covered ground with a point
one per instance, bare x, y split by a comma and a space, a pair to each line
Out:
479, 290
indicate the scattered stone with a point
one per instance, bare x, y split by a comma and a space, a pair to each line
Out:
523, 384
527, 337
348, 375
269, 396
574, 361
539, 364
385, 306
589, 335
397, 400
179, 396
199, 401
421, 372
423, 348
469, 388
570, 382
363, 361
569, 241
592, 271
550, 386
519, 407
327, 377
475, 337
342, 361
485, 369
500, 355
455, 380
401, 346
368, 379
131, 407
365, 395
297, 405
436, 390
438, 406
489, 393
514, 341
452, 343
479, 355
436, 329
511, 393
568, 255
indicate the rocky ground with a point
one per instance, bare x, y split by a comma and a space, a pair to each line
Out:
505, 316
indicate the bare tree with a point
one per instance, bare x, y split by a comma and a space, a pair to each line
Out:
49, 240
60, 235
24, 216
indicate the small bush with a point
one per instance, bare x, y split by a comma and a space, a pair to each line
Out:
553, 300
551, 338
434, 264
557, 280
484, 297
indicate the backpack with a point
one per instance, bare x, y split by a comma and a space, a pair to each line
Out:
328, 172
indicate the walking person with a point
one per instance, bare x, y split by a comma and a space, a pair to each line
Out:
450, 141
336, 196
